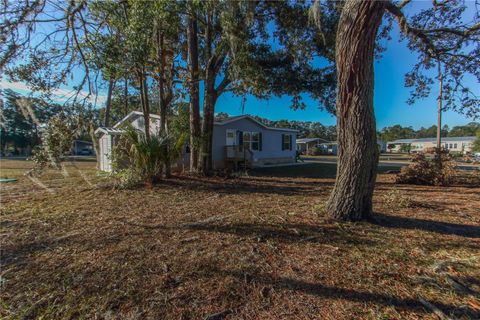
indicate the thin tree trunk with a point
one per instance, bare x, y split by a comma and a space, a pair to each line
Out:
108, 105
439, 118
194, 104
96, 146
125, 93
145, 103
161, 84
351, 198
163, 103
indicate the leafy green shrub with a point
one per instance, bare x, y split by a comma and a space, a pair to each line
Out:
426, 171
137, 159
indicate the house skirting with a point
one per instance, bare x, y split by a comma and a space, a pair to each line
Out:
221, 164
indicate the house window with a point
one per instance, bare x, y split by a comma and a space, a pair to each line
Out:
455, 146
246, 139
286, 142
450, 146
255, 141
252, 140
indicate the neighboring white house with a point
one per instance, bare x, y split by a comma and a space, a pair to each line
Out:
305, 144
452, 144
236, 140
332, 147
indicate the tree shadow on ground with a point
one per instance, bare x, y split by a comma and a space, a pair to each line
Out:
287, 233
447, 228
242, 186
17, 254
309, 170
330, 292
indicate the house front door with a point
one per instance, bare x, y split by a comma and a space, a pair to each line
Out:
231, 137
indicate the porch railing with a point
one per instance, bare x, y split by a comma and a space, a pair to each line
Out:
238, 153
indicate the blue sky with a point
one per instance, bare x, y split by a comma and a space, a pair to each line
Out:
389, 100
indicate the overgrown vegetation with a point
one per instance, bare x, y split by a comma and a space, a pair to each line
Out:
57, 140
137, 158
426, 171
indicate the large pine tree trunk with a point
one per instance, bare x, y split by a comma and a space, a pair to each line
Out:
194, 105
209, 99
351, 198
206, 161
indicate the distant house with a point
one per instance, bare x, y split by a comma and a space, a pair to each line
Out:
452, 144
332, 147
306, 144
236, 140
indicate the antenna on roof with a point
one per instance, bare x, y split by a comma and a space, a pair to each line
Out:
242, 104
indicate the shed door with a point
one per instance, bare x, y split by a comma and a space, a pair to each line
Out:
231, 141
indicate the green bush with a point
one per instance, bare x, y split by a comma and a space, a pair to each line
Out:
137, 159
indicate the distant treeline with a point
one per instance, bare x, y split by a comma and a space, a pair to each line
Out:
19, 131
398, 132
312, 129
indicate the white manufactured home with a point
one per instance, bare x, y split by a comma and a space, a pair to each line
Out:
236, 140
453, 144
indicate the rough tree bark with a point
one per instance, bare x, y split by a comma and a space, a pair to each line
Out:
194, 105
205, 163
145, 103
210, 97
165, 87
351, 198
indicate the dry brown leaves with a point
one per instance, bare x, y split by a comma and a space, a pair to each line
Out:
245, 248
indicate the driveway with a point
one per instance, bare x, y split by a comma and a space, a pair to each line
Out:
384, 162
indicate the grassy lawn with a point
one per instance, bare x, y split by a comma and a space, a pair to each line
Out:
255, 247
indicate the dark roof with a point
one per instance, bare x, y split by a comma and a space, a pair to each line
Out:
307, 140
236, 118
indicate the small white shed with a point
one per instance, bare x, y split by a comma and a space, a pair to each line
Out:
108, 135
106, 143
